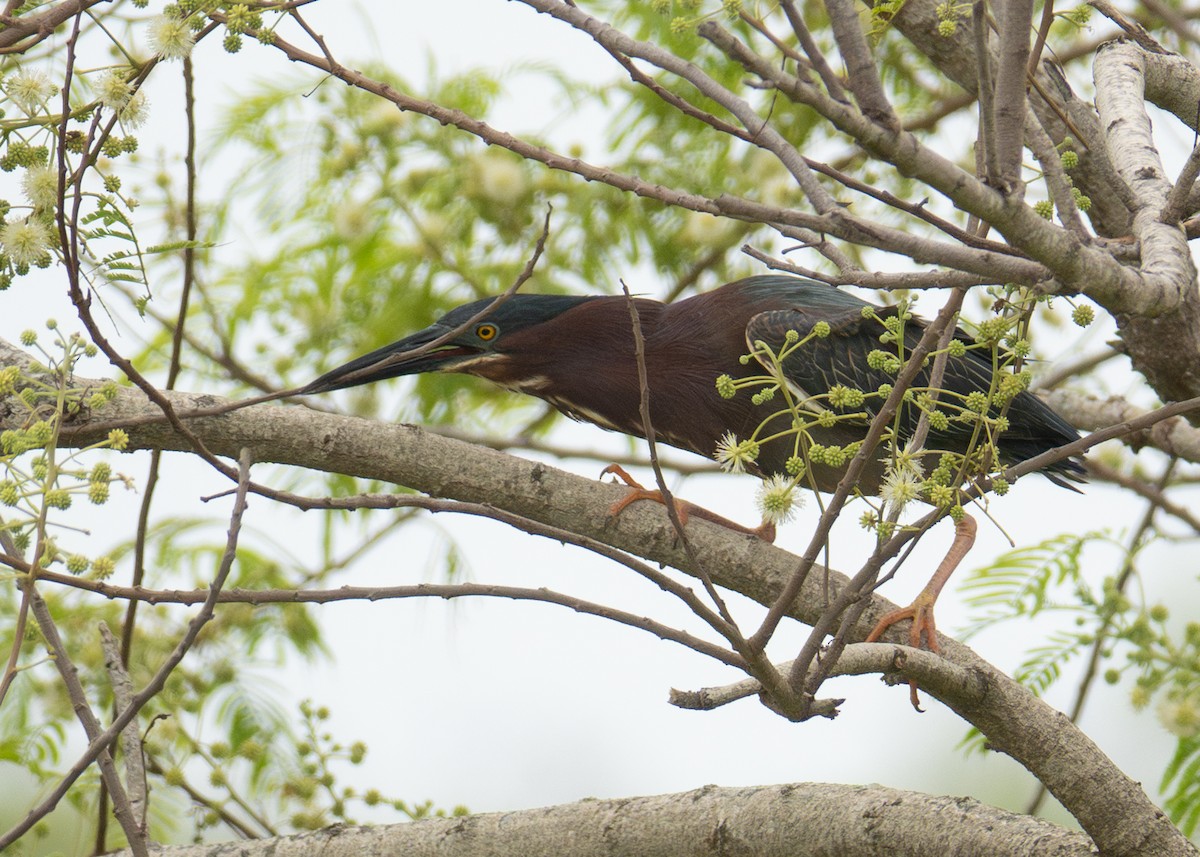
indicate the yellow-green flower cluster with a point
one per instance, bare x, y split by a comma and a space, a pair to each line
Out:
880, 360
103, 567
976, 401
841, 396
764, 395
832, 456
16, 441
992, 330
8, 379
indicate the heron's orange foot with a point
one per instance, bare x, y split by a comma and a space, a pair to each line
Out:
923, 625
640, 492
921, 610
684, 509
921, 613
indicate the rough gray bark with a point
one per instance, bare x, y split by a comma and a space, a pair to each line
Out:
800, 820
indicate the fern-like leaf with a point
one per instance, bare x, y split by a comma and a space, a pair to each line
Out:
1019, 582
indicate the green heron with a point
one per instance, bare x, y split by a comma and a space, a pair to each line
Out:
578, 354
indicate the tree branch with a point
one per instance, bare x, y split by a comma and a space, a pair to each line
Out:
1166, 264
796, 820
1174, 436
1016, 19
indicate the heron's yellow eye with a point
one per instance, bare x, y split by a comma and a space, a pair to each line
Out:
486, 332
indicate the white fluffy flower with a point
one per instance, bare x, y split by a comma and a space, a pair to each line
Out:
113, 90
30, 90
40, 185
1180, 716
134, 114
500, 178
703, 229
777, 500
171, 38
900, 487
25, 241
351, 220
734, 455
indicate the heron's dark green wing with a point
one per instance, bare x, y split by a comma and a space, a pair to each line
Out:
841, 358
821, 363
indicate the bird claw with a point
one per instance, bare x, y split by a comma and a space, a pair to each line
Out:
683, 509
921, 610
921, 613
640, 492
923, 624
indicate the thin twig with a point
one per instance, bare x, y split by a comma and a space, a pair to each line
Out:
832, 84
639, 347
1132, 28
1178, 197
429, 347
862, 74
69, 673
1059, 182
983, 74
725, 624
237, 825
173, 369
912, 280
446, 591
1039, 44
1156, 495
1068, 369
401, 501
100, 744
1078, 447
859, 659
836, 221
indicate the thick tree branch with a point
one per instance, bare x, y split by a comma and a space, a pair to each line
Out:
1120, 98
1016, 19
863, 76
1174, 436
20, 34
796, 820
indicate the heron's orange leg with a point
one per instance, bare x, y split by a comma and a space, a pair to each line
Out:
765, 531
921, 609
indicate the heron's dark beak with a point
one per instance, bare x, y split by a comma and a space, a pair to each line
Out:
395, 360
